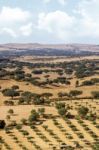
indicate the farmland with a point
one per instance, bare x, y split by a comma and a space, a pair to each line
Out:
49, 103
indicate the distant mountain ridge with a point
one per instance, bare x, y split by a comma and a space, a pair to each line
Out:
37, 46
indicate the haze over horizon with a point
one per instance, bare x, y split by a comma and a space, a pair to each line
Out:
49, 22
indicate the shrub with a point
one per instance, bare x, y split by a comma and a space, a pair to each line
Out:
10, 111
15, 87
2, 124
87, 83
95, 94
75, 93
82, 111
33, 116
10, 92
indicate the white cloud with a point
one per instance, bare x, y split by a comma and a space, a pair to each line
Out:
9, 32
14, 19
26, 30
82, 25
58, 22
89, 17
61, 25
10, 15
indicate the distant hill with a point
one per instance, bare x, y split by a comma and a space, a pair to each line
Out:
36, 49
33, 46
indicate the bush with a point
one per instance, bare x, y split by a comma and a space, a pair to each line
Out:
10, 92
75, 93
15, 87
95, 94
87, 83
82, 111
2, 124
38, 101
10, 111
60, 105
33, 116
37, 71
62, 111
18, 126
63, 94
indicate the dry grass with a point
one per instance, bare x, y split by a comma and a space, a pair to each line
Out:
24, 111
67, 135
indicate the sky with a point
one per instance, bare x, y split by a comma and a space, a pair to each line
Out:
49, 21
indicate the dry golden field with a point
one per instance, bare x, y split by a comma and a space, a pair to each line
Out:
54, 131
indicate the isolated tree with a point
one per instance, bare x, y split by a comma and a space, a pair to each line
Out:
83, 111
62, 111
10, 111
33, 116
